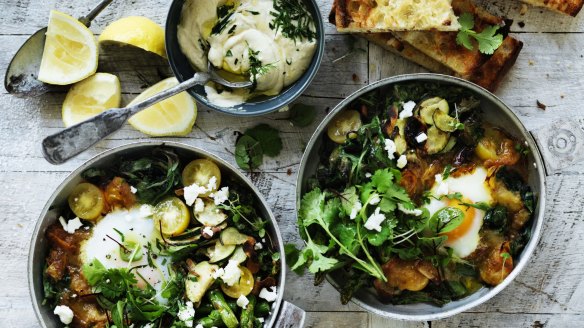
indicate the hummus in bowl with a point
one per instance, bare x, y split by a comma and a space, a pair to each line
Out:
270, 42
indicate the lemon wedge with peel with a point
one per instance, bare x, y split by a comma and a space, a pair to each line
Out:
70, 53
90, 97
174, 116
137, 31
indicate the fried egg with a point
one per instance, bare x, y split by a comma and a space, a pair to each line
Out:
136, 226
474, 188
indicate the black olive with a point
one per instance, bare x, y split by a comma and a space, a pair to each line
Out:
463, 156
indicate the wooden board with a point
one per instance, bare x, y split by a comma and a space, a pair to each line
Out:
550, 291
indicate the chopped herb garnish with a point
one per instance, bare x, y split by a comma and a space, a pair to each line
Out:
294, 19
229, 53
224, 13
256, 67
255, 13
232, 29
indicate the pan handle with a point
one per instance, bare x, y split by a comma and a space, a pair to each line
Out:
290, 316
561, 144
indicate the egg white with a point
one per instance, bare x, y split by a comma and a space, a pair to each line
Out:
136, 225
474, 188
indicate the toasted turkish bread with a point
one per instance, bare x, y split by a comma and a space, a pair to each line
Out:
439, 52
568, 7
394, 15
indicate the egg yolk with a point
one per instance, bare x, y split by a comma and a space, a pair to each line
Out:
465, 225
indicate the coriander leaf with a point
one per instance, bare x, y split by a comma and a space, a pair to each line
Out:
293, 256
488, 40
314, 254
466, 21
302, 115
331, 211
366, 191
378, 238
348, 199
387, 205
268, 137
382, 180
248, 153
397, 192
311, 208
347, 234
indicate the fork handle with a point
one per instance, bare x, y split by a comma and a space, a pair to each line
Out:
198, 78
86, 20
64, 145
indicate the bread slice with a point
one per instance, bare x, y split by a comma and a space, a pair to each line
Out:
395, 15
439, 53
568, 7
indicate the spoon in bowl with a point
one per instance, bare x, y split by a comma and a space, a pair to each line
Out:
62, 146
21, 76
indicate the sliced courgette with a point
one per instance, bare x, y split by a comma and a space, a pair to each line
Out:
430, 101
238, 255
211, 216
437, 140
218, 251
451, 143
426, 114
400, 141
231, 236
444, 121
199, 279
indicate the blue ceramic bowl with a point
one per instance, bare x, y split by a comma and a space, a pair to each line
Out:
183, 70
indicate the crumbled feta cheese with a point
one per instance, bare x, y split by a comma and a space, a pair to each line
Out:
192, 192
242, 301
133, 189
368, 175
208, 231
421, 137
375, 220
408, 109
261, 320
148, 325
355, 210
232, 273
269, 296
146, 210
403, 209
186, 314
212, 185
72, 225
199, 326
390, 148
441, 186
402, 161
65, 314
218, 273
220, 196
375, 199
258, 246
199, 205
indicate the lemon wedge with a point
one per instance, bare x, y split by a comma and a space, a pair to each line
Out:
70, 53
174, 116
137, 31
90, 97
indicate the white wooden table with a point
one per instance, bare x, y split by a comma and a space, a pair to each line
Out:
550, 291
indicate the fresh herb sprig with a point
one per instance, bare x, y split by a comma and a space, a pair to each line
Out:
488, 40
257, 68
294, 19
